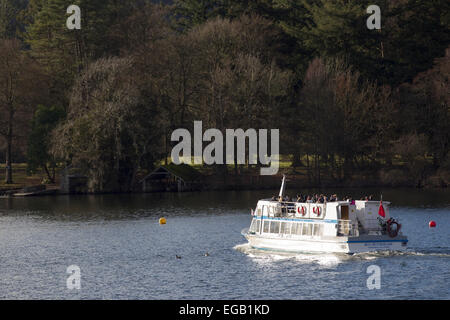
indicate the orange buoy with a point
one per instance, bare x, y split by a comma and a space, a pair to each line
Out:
432, 224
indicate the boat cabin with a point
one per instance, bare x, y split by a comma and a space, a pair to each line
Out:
331, 218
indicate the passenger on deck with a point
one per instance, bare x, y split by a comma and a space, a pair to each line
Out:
309, 200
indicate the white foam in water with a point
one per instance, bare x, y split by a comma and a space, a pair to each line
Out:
324, 259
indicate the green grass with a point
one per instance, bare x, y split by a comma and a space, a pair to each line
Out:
20, 177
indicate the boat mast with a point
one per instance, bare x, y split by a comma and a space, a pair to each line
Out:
283, 186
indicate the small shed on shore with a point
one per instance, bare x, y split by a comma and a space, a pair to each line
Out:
73, 181
172, 177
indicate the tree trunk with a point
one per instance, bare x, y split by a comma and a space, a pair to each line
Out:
51, 178
308, 169
9, 179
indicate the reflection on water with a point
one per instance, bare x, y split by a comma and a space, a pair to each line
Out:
124, 253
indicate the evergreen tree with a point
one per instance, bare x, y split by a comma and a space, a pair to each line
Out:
412, 34
10, 24
415, 33
66, 52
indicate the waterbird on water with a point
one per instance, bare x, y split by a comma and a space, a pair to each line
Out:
178, 257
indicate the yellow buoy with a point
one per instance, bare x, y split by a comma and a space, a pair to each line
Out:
162, 221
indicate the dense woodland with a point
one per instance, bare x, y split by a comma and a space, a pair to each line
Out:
347, 100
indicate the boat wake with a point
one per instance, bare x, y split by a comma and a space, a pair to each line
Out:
329, 259
263, 256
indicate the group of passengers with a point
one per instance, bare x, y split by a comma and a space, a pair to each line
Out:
317, 198
321, 198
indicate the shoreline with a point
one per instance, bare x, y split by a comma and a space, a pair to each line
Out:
54, 192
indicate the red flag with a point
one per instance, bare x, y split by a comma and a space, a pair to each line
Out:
381, 210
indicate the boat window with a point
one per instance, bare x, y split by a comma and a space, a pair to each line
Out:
318, 229
258, 225
265, 211
275, 227
253, 226
307, 229
293, 227
266, 226
298, 229
282, 226
259, 211
273, 209
288, 227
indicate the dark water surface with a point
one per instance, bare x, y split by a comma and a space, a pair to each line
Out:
123, 252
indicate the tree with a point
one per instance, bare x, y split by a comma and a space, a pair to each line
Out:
415, 34
412, 151
109, 131
241, 85
44, 121
21, 84
64, 53
412, 34
342, 116
424, 105
10, 25
194, 12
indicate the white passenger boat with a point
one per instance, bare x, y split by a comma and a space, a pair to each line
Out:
339, 226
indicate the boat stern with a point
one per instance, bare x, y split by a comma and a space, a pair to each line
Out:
368, 243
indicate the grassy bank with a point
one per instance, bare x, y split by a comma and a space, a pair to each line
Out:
20, 177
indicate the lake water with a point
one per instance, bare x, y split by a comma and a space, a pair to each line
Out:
123, 252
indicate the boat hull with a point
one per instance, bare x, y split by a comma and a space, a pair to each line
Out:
331, 244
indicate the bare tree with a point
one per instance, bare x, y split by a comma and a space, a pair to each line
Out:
346, 117
20, 84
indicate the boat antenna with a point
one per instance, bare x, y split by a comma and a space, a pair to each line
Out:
283, 186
